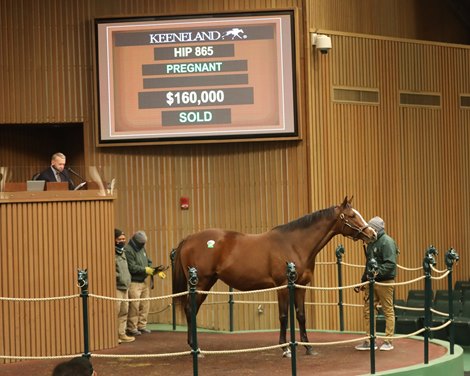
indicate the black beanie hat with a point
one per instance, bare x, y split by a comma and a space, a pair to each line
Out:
117, 233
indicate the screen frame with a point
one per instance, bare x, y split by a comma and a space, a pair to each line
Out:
215, 137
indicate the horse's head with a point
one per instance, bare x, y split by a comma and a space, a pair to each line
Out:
351, 223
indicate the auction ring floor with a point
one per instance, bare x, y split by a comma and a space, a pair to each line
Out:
339, 359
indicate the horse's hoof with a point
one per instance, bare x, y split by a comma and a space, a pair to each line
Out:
287, 354
310, 351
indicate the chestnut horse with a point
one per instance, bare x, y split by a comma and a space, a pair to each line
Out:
253, 262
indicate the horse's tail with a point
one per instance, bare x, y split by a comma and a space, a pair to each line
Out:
179, 280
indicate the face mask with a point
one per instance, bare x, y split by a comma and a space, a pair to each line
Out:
120, 244
139, 245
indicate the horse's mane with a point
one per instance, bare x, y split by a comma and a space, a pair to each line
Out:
306, 220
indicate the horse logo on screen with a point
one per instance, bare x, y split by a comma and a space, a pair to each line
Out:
235, 33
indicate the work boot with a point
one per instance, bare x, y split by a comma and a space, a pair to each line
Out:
124, 338
133, 333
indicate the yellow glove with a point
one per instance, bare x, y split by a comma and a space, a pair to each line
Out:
162, 275
149, 270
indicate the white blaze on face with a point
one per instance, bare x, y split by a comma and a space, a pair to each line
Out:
364, 223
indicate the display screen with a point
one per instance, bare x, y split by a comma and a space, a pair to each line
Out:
226, 76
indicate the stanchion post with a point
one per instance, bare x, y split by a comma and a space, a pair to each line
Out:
192, 283
451, 257
83, 284
173, 307
428, 261
291, 278
372, 269
339, 258
230, 308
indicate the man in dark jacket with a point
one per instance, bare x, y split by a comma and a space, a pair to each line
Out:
139, 267
384, 250
123, 281
56, 172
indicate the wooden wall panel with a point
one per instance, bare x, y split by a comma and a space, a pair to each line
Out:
402, 162
43, 244
398, 18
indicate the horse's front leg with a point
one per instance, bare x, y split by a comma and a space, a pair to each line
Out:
300, 315
282, 298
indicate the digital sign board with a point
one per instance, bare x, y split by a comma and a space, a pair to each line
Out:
224, 76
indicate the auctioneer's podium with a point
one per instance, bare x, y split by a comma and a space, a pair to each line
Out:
45, 237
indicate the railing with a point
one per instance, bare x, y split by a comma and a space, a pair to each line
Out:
428, 267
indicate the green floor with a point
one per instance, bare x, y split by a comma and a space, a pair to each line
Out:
466, 359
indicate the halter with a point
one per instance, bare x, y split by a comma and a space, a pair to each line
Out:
359, 230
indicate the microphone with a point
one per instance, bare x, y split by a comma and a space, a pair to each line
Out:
75, 173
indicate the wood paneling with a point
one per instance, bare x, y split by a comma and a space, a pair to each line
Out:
414, 19
43, 243
405, 163
409, 165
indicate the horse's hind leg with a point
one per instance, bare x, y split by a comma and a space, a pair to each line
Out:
300, 315
204, 286
188, 310
282, 298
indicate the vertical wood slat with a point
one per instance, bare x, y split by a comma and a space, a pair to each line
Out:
41, 250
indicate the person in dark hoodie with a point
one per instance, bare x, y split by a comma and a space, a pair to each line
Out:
140, 268
78, 366
385, 251
123, 281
